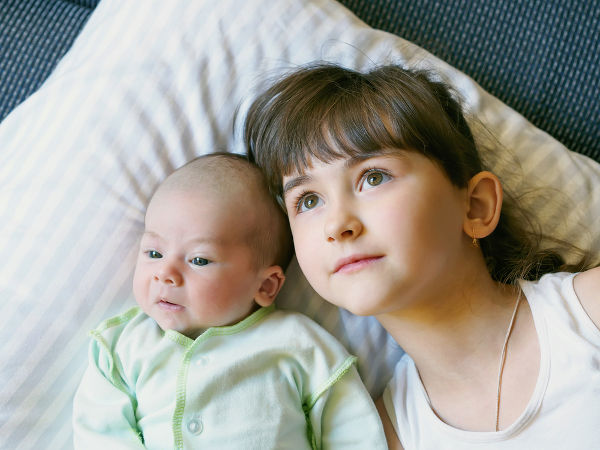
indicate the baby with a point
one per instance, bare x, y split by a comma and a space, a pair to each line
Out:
206, 360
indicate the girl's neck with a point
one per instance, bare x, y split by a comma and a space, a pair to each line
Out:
456, 344
465, 323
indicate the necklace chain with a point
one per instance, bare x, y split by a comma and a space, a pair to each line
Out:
503, 358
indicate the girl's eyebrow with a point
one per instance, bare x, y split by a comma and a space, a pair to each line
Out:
295, 182
357, 159
350, 162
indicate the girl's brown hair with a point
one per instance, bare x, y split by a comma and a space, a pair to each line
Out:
328, 112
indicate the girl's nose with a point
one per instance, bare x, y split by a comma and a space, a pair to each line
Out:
168, 274
342, 224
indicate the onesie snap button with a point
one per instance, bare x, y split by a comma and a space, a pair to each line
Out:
195, 426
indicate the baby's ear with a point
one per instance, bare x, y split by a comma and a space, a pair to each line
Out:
273, 278
484, 205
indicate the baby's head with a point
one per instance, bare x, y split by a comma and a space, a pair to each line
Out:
214, 248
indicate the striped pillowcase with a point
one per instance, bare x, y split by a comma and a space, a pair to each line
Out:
146, 87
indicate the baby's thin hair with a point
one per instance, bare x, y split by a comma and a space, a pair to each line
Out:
224, 171
327, 112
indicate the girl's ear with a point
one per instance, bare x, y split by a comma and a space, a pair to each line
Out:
273, 279
484, 205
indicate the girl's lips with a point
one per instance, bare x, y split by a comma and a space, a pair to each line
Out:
165, 304
354, 263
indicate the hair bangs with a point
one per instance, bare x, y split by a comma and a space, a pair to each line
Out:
347, 119
325, 113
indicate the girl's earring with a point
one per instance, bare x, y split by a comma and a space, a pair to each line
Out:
475, 241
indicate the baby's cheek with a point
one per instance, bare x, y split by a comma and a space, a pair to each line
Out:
139, 287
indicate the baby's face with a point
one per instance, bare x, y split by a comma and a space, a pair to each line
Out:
195, 269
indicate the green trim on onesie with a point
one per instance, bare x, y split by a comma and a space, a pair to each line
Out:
118, 320
186, 342
190, 345
334, 378
308, 404
97, 336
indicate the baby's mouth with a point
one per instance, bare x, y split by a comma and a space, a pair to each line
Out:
164, 303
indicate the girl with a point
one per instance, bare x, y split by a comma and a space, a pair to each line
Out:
394, 215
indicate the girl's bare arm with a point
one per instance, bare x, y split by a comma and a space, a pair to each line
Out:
587, 288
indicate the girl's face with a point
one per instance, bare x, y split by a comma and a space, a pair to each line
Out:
375, 235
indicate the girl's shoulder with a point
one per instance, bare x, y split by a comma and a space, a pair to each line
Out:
587, 289
571, 299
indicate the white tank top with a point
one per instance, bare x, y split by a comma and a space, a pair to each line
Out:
564, 410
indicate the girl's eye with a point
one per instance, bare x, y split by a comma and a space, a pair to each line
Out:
308, 202
197, 261
153, 254
374, 178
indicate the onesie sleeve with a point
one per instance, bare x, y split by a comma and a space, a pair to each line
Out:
103, 408
343, 415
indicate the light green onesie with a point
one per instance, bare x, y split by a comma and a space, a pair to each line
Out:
274, 380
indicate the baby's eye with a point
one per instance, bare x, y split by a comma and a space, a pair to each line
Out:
197, 261
153, 254
374, 178
308, 202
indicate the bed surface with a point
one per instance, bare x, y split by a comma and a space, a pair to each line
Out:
145, 86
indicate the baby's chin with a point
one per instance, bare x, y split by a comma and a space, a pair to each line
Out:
169, 324
187, 332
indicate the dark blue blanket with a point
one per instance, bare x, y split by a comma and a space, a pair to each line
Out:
541, 57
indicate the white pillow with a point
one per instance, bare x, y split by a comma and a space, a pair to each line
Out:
146, 87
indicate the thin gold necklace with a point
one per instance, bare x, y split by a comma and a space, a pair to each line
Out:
503, 358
